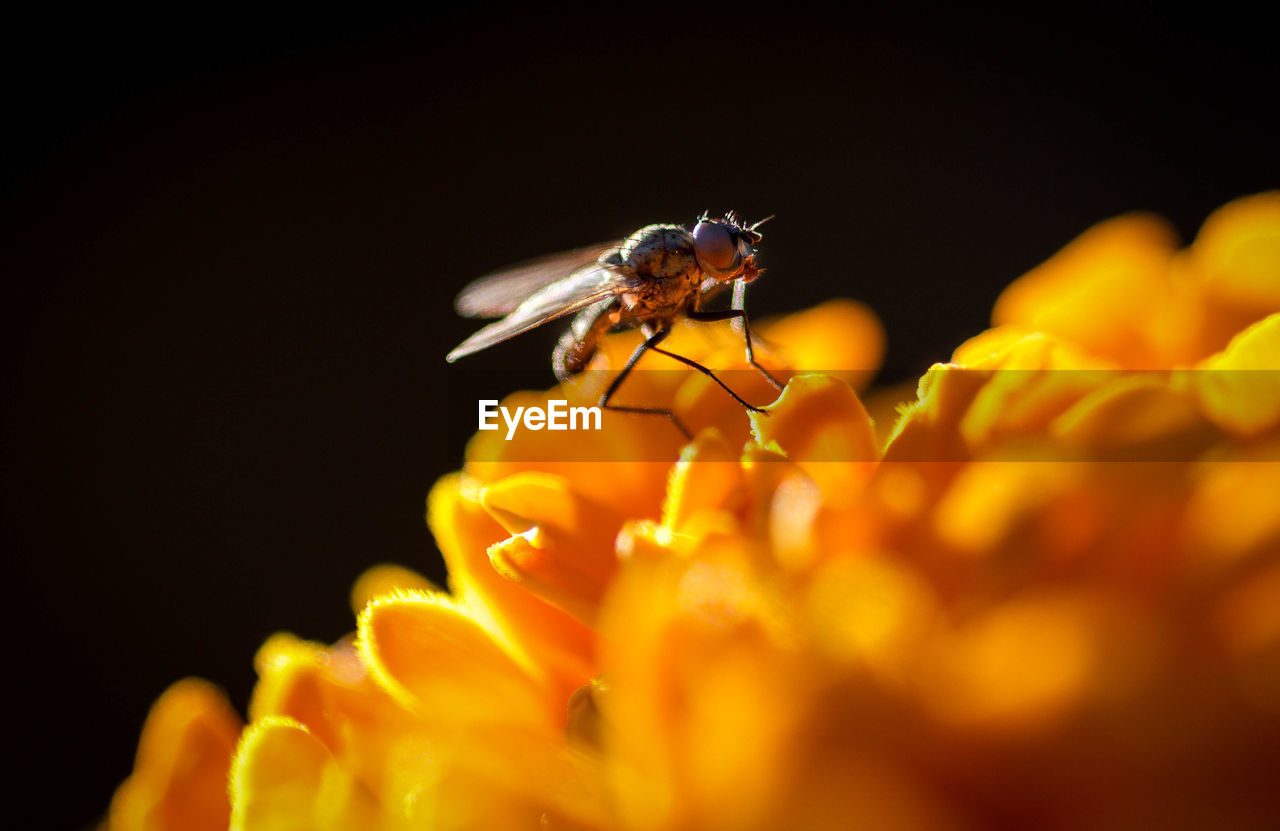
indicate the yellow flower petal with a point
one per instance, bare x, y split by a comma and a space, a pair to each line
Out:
574, 522
1136, 417
386, 579
551, 639
1238, 251
284, 779
1019, 667
820, 424
840, 338
695, 707
562, 544
541, 568
868, 611
330, 692
184, 754
1239, 388
928, 429
987, 501
708, 477
1232, 510
1088, 291
432, 657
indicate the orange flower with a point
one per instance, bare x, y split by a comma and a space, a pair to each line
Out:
1046, 597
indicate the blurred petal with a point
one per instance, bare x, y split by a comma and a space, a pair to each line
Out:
184, 755
386, 579
1088, 291
1021, 665
1238, 251
708, 477
1239, 388
330, 692
1139, 415
840, 338
1232, 511
820, 424
284, 779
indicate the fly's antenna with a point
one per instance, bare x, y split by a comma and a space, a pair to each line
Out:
761, 222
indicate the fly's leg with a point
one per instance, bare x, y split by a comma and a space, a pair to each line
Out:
650, 343
692, 363
739, 315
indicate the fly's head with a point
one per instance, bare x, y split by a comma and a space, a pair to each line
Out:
726, 248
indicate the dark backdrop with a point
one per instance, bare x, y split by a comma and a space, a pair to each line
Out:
230, 243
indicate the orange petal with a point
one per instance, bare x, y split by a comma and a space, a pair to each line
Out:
330, 692
987, 501
928, 429
708, 477
1090, 292
1021, 666
386, 579
545, 570
1239, 388
432, 657
179, 780
820, 424
841, 338
582, 528
285, 779
697, 703
557, 643
1238, 251
866, 610
1232, 512
1136, 417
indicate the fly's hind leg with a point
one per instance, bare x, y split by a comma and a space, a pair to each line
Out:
738, 315
692, 363
650, 343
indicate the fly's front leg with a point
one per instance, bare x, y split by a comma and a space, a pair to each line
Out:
650, 343
739, 316
739, 304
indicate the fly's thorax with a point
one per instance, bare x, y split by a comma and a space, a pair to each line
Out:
660, 252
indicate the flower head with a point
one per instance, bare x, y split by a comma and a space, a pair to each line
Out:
1045, 596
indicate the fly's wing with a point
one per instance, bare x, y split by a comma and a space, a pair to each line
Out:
563, 297
500, 293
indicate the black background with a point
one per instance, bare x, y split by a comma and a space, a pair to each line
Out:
230, 241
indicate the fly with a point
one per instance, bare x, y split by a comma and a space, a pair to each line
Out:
653, 278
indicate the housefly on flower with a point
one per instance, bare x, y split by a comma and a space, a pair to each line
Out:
653, 278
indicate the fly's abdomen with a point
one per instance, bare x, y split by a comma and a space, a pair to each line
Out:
578, 345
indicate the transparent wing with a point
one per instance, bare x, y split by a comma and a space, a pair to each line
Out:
563, 297
500, 293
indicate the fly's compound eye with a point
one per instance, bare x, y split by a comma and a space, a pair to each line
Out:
716, 249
